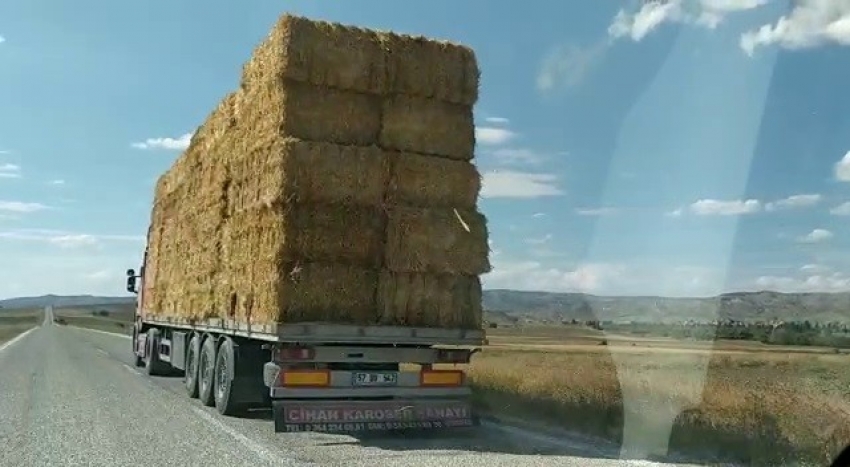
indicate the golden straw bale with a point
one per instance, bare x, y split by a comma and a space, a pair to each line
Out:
313, 292
290, 108
429, 300
436, 240
301, 171
335, 233
319, 53
420, 180
422, 67
428, 126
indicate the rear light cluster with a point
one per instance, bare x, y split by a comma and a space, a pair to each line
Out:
288, 354
441, 378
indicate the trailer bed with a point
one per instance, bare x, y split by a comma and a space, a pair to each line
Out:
327, 333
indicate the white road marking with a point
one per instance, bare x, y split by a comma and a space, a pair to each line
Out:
131, 369
261, 451
116, 334
15, 339
102, 351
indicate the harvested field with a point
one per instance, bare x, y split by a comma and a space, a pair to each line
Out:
430, 300
437, 240
419, 180
428, 126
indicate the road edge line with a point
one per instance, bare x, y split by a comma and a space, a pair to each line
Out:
99, 331
17, 338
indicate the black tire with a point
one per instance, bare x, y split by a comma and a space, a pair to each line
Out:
206, 372
225, 370
190, 377
153, 365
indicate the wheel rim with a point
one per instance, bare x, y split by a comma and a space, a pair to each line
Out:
206, 373
221, 377
191, 365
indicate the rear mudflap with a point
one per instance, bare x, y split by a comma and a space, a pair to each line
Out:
359, 416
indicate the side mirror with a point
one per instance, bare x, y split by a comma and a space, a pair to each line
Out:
131, 272
131, 284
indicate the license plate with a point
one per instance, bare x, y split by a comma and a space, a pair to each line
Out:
375, 379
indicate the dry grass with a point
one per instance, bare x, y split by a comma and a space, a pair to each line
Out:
429, 300
760, 408
15, 322
419, 180
428, 126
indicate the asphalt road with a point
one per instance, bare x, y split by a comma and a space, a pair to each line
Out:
70, 396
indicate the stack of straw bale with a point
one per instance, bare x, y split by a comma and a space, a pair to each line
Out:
336, 185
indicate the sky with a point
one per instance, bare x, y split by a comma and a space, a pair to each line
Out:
679, 147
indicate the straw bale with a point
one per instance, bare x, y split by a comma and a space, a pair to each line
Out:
422, 67
436, 240
301, 171
428, 126
290, 108
429, 300
222, 119
335, 233
319, 53
420, 180
313, 292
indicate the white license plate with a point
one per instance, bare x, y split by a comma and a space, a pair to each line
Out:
375, 379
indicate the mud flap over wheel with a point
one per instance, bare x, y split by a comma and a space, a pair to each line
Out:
139, 361
190, 377
153, 365
206, 371
226, 397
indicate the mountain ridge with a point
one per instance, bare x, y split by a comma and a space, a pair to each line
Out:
514, 305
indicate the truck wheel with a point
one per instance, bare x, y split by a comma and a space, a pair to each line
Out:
206, 371
153, 366
225, 370
190, 377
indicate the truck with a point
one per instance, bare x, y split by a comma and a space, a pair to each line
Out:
325, 377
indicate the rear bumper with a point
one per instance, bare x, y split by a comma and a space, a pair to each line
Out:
363, 416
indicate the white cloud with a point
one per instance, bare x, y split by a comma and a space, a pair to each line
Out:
171, 144
538, 215
497, 120
605, 278
674, 213
57, 182
652, 14
842, 168
595, 211
811, 23
65, 239
2, 39
816, 236
712, 207
513, 184
514, 156
493, 135
21, 207
539, 240
568, 65
794, 201
815, 282
842, 209
10, 171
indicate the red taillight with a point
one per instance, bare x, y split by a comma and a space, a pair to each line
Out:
295, 353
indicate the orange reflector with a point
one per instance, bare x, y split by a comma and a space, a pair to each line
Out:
305, 378
441, 378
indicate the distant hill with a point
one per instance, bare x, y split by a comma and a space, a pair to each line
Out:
64, 301
505, 306
739, 306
